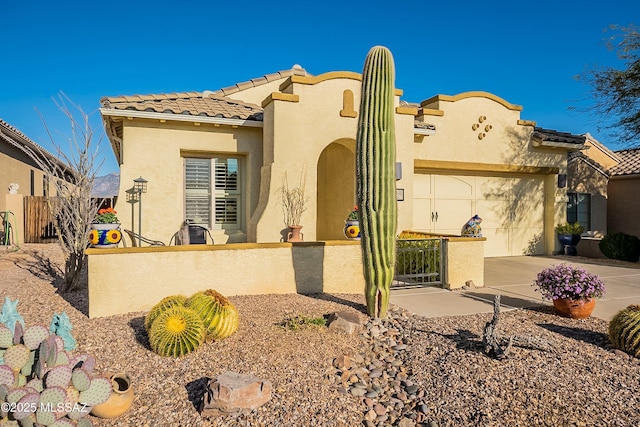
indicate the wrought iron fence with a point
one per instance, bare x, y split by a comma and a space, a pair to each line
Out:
419, 262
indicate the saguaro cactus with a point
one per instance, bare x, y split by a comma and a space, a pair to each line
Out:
375, 177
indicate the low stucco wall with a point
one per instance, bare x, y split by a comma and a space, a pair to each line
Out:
124, 280
464, 261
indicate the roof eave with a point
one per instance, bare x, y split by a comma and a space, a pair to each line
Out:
569, 146
110, 112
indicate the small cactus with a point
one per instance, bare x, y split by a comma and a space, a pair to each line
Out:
34, 335
97, 393
624, 330
16, 357
58, 376
165, 303
27, 405
219, 315
80, 379
7, 376
6, 337
176, 331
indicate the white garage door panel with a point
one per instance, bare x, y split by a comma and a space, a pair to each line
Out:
512, 209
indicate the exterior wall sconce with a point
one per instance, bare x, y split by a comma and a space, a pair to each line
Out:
562, 180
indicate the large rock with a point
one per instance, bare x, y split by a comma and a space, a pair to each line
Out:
232, 393
346, 321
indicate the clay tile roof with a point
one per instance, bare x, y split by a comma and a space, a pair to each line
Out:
204, 104
551, 135
296, 70
576, 156
630, 163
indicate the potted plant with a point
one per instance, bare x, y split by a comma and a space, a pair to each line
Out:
569, 236
294, 203
352, 225
572, 289
105, 229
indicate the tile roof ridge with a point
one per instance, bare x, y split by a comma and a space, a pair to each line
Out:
149, 97
296, 70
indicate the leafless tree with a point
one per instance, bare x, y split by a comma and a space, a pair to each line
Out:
72, 176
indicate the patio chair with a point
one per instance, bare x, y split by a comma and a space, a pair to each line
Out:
191, 235
134, 239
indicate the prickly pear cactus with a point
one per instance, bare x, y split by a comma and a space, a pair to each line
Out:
624, 330
44, 383
375, 178
165, 303
176, 331
219, 315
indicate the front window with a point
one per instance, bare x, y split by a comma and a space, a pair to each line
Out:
213, 195
579, 209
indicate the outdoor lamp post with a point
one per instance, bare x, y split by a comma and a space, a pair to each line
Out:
133, 198
140, 186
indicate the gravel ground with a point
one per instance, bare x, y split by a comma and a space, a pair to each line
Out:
405, 370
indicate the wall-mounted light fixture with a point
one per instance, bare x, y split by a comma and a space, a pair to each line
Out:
139, 187
562, 180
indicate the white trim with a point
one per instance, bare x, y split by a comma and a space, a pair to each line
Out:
420, 131
179, 117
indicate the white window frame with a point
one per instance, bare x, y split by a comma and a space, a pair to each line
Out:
218, 191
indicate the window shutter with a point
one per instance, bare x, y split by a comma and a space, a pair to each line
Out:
197, 191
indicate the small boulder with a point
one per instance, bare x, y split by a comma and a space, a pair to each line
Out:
232, 393
345, 321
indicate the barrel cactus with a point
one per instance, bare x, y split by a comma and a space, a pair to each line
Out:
624, 330
165, 303
176, 331
375, 178
219, 315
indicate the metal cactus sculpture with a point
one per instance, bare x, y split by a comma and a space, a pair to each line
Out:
375, 177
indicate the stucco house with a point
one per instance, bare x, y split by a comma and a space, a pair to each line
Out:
17, 167
623, 188
217, 158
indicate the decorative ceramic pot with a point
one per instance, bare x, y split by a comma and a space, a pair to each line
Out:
120, 400
569, 241
105, 235
295, 235
352, 229
575, 309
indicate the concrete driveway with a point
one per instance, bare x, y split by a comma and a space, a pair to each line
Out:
511, 277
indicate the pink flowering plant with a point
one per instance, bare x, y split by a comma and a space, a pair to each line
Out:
566, 281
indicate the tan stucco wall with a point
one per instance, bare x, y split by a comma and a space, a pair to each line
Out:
156, 152
134, 279
15, 166
600, 153
14, 203
623, 205
465, 262
583, 178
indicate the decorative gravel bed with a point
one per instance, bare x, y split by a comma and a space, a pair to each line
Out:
404, 370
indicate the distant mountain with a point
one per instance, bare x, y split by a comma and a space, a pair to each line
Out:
106, 186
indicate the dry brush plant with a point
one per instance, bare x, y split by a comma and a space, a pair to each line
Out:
72, 176
294, 200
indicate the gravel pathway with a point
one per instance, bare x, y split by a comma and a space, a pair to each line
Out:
404, 370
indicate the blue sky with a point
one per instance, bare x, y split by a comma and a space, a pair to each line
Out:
525, 52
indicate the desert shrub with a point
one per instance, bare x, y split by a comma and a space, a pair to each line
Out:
621, 246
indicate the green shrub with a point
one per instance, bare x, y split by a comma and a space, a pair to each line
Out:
417, 256
574, 228
621, 246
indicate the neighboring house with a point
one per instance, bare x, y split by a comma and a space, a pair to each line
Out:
588, 174
624, 188
17, 167
218, 159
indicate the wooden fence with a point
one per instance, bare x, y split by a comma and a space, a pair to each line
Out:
38, 221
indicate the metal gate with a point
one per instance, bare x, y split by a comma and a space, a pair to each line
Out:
419, 262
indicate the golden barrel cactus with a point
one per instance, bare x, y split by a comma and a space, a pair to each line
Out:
624, 330
219, 315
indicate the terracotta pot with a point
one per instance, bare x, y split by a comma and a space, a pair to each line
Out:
575, 309
120, 400
295, 235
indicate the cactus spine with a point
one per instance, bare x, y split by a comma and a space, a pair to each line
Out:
375, 178
624, 330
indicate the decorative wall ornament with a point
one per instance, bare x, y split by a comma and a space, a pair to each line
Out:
13, 188
483, 132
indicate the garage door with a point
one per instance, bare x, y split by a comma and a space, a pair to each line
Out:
511, 207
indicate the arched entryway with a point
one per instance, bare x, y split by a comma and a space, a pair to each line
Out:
336, 188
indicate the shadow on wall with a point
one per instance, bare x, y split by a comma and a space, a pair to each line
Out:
308, 262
